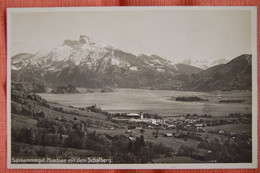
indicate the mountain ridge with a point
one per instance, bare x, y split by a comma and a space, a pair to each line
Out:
84, 63
234, 75
204, 64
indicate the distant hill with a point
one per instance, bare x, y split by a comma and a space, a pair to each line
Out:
204, 64
234, 75
187, 69
65, 89
20, 57
29, 87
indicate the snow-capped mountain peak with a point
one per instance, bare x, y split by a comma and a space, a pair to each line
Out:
86, 40
204, 64
84, 57
70, 52
85, 63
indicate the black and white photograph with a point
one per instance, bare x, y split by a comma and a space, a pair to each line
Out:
132, 87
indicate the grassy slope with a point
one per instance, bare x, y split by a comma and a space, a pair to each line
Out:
19, 121
52, 151
235, 128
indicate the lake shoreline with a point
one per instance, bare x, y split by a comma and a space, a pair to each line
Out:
155, 101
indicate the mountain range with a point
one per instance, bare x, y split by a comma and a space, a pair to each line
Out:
84, 63
204, 64
234, 75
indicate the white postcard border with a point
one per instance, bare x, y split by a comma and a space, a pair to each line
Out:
138, 166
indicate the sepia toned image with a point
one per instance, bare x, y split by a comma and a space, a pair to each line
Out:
132, 87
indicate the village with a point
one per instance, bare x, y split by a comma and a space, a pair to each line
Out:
188, 122
209, 134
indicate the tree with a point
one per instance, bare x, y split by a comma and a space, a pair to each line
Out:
130, 146
155, 134
76, 139
142, 131
142, 143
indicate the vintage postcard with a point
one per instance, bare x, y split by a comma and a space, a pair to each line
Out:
132, 87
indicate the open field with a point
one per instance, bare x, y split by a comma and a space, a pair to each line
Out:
19, 121
174, 143
235, 128
19, 150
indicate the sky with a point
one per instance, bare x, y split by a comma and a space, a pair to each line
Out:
172, 34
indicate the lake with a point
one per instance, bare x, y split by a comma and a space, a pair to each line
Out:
155, 101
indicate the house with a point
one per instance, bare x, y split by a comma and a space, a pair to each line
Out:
153, 121
75, 118
168, 135
199, 125
171, 126
150, 127
131, 138
221, 132
132, 115
128, 131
